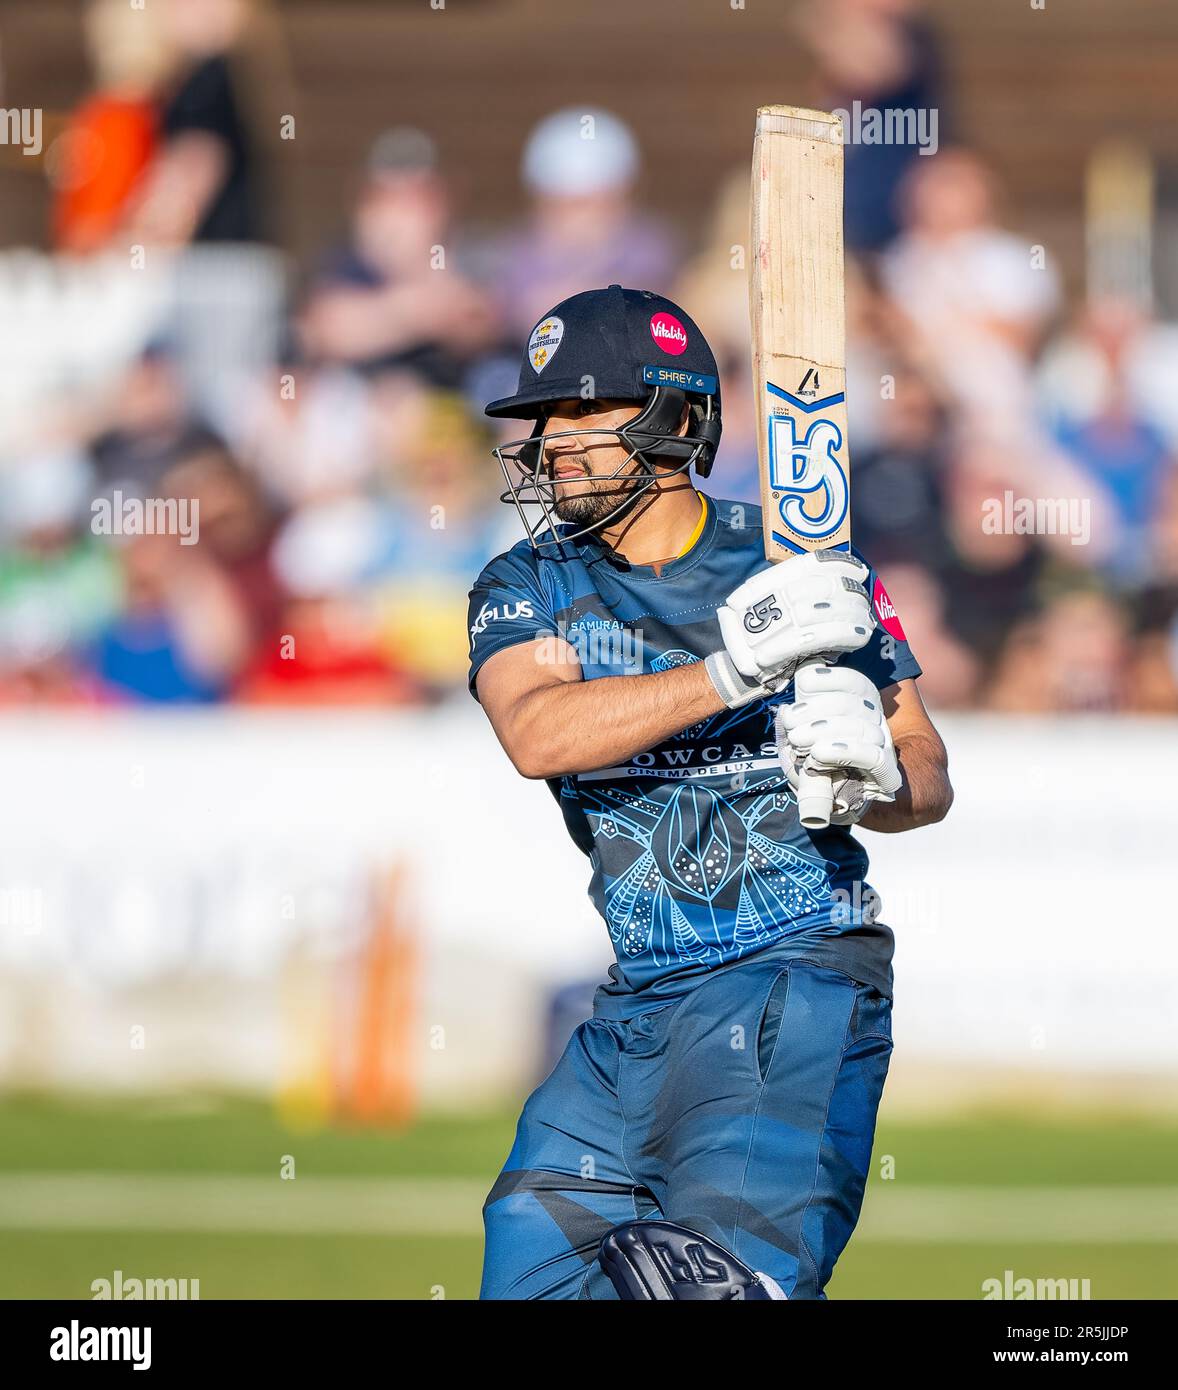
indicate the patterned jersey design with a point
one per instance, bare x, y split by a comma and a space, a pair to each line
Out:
703, 879
697, 853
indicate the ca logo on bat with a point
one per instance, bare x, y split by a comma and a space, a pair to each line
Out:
806, 472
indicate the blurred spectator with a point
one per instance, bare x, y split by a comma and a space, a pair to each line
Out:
974, 303
885, 55
900, 479
579, 166
993, 583
976, 299
58, 584
393, 296
182, 635
951, 669
236, 529
1112, 350
713, 287
1109, 432
1130, 461
448, 522
148, 425
327, 649
969, 288
208, 181
110, 139
1073, 656
1155, 677
1163, 543
307, 431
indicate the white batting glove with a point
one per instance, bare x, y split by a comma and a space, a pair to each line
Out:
814, 605
836, 724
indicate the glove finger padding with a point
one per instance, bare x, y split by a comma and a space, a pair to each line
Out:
837, 725
875, 762
818, 679
801, 716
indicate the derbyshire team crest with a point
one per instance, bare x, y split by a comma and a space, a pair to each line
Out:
544, 341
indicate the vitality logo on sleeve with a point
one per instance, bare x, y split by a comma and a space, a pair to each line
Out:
885, 611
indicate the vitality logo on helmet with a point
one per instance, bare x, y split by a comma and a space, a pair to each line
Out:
669, 333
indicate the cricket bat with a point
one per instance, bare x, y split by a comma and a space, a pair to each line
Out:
796, 298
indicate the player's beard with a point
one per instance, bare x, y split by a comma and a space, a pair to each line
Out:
593, 504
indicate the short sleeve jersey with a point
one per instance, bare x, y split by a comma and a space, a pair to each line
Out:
698, 858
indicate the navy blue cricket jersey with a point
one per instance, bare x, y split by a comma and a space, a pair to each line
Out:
698, 857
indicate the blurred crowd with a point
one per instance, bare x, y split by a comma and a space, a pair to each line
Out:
344, 487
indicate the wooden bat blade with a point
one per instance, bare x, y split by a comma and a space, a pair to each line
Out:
796, 291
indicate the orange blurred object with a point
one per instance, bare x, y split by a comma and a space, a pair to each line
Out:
383, 1087
102, 154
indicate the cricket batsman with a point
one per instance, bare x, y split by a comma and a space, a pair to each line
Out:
707, 1132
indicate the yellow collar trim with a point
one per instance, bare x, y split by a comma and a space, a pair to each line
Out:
699, 526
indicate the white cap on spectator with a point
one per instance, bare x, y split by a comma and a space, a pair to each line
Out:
329, 548
579, 151
45, 492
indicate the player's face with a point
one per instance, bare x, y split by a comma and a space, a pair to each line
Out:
592, 472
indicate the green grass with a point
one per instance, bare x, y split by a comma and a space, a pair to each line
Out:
958, 1271
1015, 1150
231, 1135
241, 1138
54, 1264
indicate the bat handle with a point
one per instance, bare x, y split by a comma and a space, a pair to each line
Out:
815, 799
815, 791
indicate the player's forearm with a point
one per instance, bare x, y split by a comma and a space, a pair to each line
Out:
926, 793
580, 726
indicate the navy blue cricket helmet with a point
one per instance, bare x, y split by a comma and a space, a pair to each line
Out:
613, 344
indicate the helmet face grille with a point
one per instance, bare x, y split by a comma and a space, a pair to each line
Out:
651, 438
